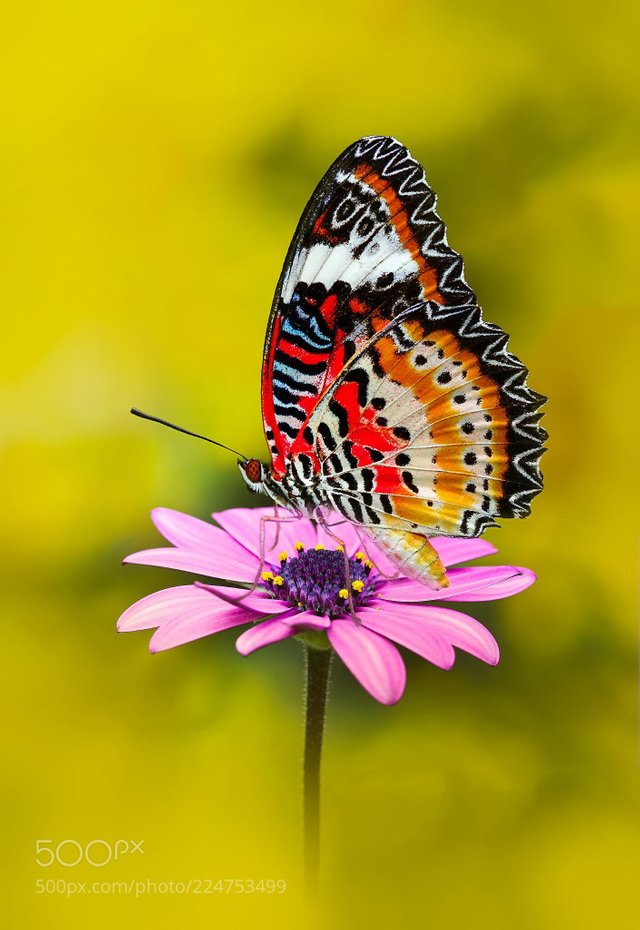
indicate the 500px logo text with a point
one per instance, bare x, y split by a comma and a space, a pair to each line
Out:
98, 853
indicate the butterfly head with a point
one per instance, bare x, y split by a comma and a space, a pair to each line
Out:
254, 473
260, 479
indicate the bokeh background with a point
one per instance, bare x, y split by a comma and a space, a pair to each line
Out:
156, 158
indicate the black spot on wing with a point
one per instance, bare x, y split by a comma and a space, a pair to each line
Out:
327, 436
341, 416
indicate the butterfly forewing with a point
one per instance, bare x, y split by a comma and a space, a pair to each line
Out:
369, 244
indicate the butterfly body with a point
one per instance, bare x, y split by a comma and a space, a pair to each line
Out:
388, 401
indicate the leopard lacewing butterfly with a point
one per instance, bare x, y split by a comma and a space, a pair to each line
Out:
387, 399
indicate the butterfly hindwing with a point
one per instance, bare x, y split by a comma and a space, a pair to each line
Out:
431, 428
369, 245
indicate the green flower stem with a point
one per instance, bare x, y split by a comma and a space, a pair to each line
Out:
318, 666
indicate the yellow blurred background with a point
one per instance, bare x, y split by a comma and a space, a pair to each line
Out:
155, 160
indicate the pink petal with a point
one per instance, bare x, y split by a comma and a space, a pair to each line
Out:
461, 581
453, 551
263, 634
222, 564
157, 608
190, 533
257, 601
407, 632
210, 617
373, 660
243, 524
305, 620
450, 626
507, 588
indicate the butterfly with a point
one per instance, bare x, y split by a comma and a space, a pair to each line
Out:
387, 400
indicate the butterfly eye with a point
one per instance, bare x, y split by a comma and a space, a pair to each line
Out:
253, 471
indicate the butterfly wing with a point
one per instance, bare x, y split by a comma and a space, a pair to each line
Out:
368, 246
430, 429
382, 384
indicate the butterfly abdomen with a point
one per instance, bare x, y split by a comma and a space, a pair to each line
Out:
414, 556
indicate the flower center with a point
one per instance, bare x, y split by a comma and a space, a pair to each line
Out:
316, 580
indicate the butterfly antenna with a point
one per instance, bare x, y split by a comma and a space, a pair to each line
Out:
180, 429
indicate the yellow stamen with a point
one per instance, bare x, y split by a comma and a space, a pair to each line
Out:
283, 557
368, 564
267, 576
278, 580
357, 586
339, 548
343, 593
360, 556
299, 547
320, 547
299, 603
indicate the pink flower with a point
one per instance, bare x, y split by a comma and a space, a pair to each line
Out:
301, 592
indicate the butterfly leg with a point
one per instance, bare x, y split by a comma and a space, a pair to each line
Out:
347, 571
257, 579
277, 521
262, 559
263, 523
